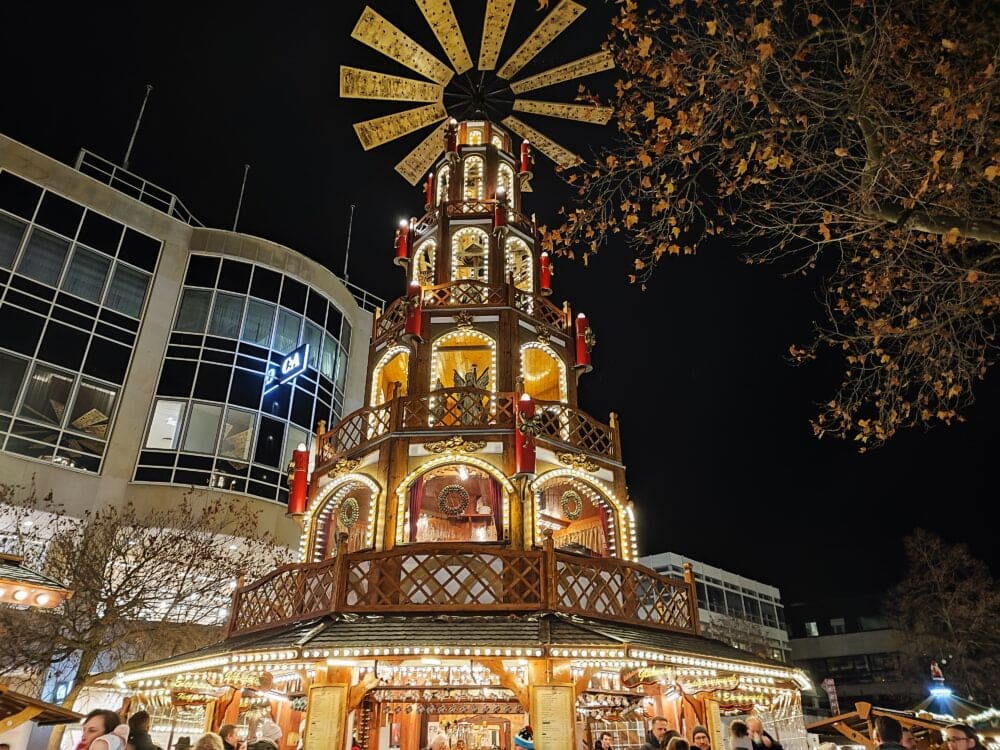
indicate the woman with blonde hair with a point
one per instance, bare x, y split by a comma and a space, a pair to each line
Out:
208, 741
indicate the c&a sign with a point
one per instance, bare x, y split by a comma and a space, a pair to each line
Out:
291, 366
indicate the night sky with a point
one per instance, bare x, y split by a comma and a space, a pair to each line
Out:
721, 460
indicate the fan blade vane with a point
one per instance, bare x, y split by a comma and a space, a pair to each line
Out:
416, 163
498, 14
582, 112
381, 130
441, 18
379, 34
357, 83
561, 156
554, 24
594, 63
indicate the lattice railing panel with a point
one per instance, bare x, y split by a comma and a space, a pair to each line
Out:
464, 292
285, 595
354, 430
457, 208
541, 309
622, 592
563, 423
444, 580
389, 321
458, 407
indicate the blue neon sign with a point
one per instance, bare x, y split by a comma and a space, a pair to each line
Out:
291, 366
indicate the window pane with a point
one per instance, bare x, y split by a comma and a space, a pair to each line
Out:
11, 232
286, 335
127, 291
341, 371
12, 371
92, 409
165, 427
329, 359
194, 311
43, 257
86, 274
203, 425
314, 337
237, 433
48, 392
258, 323
226, 315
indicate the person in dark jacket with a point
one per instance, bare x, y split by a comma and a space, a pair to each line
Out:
138, 732
656, 738
700, 738
229, 737
761, 739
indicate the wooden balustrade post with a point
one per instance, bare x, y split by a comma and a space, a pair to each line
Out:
339, 574
616, 435
396, 408
551, 584
692, 597
234, 604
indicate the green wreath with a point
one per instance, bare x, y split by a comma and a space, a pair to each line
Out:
453, 500
573, 512
349, 512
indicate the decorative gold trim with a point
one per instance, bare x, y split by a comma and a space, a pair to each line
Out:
456, 444
578, 461
543, 338
463, 319
345, 466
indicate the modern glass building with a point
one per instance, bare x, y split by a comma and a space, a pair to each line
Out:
141, 354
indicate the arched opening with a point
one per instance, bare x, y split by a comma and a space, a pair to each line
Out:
443, 178
470, 262
543, 373
423, 262
475, 179
455, 502
505, 179
463, 359
393, 368
518, 262
581, 518
497, 140
346, 509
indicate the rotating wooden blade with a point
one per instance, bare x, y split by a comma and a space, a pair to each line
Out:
379, 34
594, 63
561, 156
381, 130
416, 163
498, 14
582, 112
357, 83
554, 24
441, 17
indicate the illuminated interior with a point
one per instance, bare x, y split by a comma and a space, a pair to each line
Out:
519, 263
423, 262
455, 503
392, 369
580, 519
544, 373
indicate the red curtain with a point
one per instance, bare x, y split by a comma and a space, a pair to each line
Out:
606, 527
496, 505
416, 493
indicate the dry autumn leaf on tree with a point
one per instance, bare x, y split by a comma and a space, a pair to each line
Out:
864, 134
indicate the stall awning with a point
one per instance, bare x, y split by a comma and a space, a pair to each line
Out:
16, 708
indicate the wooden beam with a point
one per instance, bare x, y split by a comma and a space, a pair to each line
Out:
856, 737
506, 680
25, 714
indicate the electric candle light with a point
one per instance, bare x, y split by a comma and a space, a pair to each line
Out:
500, 209
413, 312
582, 353
525, 441
300, 483
402, 243
545, 280
525, 161
429, 191
451, 136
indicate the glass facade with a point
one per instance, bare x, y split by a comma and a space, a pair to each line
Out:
211, 424
73, 286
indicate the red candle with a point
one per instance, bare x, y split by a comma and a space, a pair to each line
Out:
429, 202
546, 273
300, 481
582, 353
451, 136
500, 208
414, 312
402, 243
524, 450
525, 166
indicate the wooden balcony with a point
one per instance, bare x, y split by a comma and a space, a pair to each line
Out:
466, 578
474, 294
466, 409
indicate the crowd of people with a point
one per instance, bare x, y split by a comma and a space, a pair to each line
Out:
105, 730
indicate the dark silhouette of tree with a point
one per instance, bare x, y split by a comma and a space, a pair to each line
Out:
854, 140
948, 609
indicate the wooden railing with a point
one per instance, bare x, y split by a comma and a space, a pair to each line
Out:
467, 409
467, 578
470, 293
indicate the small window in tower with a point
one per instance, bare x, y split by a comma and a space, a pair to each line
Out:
469, 254
423, 263
518, 263
475, 185
475, 137
497, 141
505, 179
444, 175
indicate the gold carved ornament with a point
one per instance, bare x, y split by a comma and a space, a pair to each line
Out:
589, 338
578, 461
463, 320
345, 466
455, 444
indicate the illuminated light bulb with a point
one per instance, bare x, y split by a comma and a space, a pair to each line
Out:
20, 595
42, 599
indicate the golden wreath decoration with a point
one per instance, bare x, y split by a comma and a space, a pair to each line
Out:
453, 500
349, 512
572, 505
